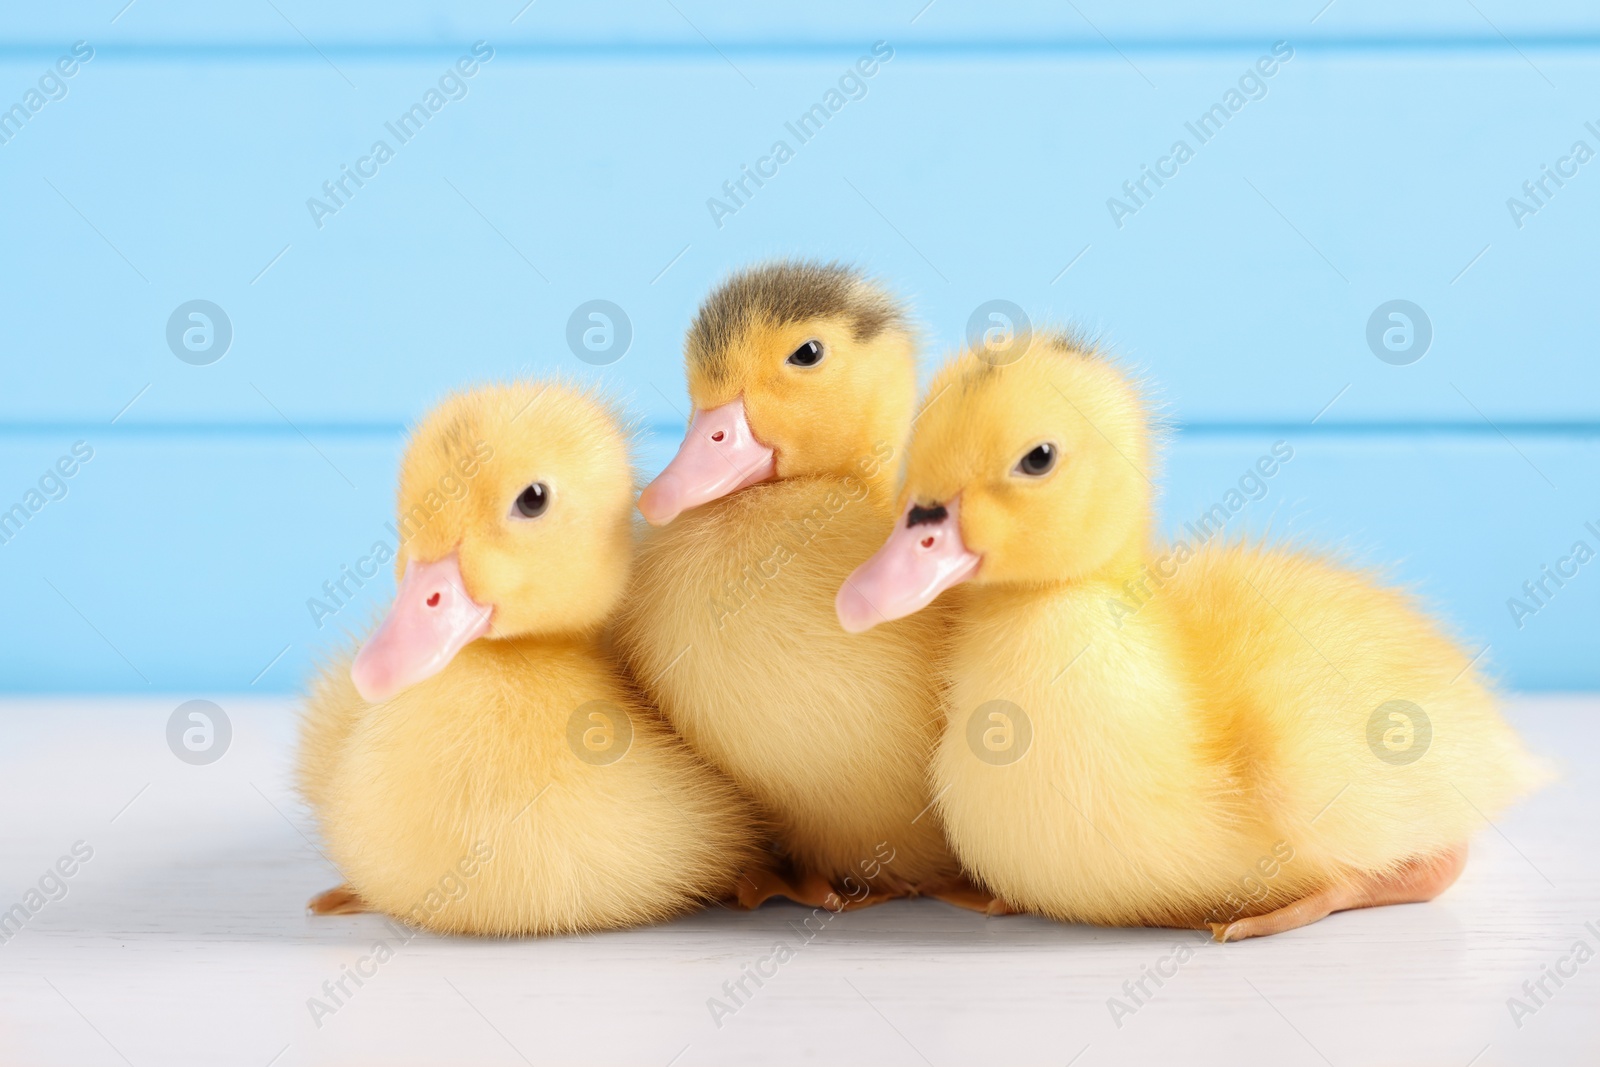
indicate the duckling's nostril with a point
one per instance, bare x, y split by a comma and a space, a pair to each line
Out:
718, 436
433, 601
927, 542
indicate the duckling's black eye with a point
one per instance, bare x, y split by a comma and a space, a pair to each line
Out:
807, 355
1038, 462
533, 501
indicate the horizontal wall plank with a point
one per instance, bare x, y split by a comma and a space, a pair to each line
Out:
1244, 285
295, 22
184, 563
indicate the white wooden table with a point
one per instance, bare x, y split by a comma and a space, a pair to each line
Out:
183, 940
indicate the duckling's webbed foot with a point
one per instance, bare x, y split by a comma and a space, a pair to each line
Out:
341, 900
965, 893
1419, 880
760, 884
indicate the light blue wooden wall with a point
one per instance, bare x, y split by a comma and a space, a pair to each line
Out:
976, 163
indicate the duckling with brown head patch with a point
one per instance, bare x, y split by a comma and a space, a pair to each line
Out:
803, 378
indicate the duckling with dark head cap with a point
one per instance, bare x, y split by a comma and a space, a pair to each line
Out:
803, 377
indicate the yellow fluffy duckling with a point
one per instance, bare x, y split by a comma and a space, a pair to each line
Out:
1231, 736
482, 766
803, 380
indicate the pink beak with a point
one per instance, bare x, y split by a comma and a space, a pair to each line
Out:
719, 455
922, 558
432, 619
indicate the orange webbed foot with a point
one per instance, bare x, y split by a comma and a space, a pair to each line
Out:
962, 892
1417, 881
341, 900
760, 884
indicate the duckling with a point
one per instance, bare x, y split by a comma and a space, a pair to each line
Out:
1226, 736
803, 379
482, 766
